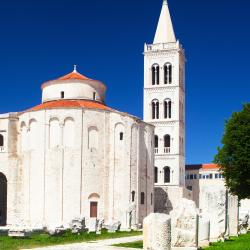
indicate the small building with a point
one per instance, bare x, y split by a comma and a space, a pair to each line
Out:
73, 156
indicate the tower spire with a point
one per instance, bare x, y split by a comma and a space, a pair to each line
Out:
165, 31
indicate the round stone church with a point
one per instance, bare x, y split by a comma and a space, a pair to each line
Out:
72, 156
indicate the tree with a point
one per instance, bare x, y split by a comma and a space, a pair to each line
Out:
234, 155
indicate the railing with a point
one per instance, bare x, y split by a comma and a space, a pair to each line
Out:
166, 150
162, 46
1, 148
156, 150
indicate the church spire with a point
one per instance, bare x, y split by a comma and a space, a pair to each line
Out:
165, 31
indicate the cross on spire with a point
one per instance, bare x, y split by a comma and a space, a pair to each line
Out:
75, 66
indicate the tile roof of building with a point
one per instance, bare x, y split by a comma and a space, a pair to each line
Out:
74, 75
70, 104
209, 166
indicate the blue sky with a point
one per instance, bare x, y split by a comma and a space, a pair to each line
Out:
41, 40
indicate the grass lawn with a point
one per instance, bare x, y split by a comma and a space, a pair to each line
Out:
136, 244
41, 240
235, 243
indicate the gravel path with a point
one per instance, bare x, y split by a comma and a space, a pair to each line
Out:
95, 245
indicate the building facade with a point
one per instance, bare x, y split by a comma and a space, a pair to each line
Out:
72, 156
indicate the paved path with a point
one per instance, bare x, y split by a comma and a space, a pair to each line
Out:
95, 245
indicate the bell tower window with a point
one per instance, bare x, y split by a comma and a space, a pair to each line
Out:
94, 96
155, 109
168, 73
155, 74
62, 94
167, 109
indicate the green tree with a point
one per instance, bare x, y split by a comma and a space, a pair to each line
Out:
234, 155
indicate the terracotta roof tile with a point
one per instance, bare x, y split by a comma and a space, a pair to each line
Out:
209, 166
70, 104
74, 75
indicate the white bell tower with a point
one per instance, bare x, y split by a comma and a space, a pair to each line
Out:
164, 102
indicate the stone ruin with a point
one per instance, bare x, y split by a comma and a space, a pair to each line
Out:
184, 225
157, 232
214, 208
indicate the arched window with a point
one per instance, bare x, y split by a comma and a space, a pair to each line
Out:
168, 73
133, 196
156, 143
155, 74
1, 140
167, 109
156, 175
142, 198
166, 175
167, 144
155, 109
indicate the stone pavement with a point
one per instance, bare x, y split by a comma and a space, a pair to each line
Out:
96, 245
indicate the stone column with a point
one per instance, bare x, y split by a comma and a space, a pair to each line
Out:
233, 215
157, 232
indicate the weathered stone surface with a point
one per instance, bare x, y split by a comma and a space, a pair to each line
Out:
204, 232
157, 232
56, 230
114, 227
19, 232
233, 215
100, 226
214, 208
184, 224
77, 225
243, 223
92, 225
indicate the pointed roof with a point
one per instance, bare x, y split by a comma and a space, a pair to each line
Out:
74, 75
165, 31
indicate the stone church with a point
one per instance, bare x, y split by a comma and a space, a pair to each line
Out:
72, 156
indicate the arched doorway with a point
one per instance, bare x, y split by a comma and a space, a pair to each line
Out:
3, 200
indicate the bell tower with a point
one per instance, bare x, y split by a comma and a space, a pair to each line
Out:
164, 102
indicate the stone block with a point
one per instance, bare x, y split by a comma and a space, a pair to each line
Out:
157, 232
19, 232
233, 215
56, 230
214, 208
99, 226
204, 232
114, 227
184, 224
243, 223
92, 225
77, 225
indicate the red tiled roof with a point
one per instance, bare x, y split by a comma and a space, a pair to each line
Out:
70, 104
209, 166
74, 75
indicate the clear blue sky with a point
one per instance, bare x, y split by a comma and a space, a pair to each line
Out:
42, 39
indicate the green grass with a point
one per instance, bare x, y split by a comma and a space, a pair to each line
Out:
235, 243
41, 240
136, 244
